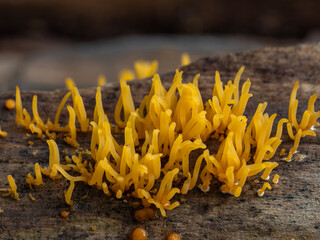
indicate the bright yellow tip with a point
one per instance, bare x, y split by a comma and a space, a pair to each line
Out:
13, 187
126, 75
275, 178
19, 114
69, 83
68, 193
101, 80
264, 187
145, 69
71, 140
185, 59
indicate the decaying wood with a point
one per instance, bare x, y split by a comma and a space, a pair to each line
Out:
289, 210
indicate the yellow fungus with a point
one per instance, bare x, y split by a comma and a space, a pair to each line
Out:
275, 178
308, 120
72, 128
2, 133
125, 104
59, 168
168, 123
282, 152
35, 129
68, 193
36, 116
30, 179
13, 187
164, 194
81, 113
295, 145
185, 59
264, 187
101, 80
60, 107
19, 115
99, 115
27, 119
54, 159
145, 69
69, 83
32, 198
126, 75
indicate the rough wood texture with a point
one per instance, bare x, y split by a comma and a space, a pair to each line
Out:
289, 210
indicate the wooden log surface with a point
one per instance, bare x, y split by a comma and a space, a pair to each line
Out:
289, 210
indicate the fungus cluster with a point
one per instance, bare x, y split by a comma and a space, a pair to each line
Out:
153, 162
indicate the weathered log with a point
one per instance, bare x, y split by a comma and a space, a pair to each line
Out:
289, 210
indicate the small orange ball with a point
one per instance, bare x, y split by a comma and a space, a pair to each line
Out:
65, 214
174, 236
139, 234
10, 104
140, 215
144, 214
150, 212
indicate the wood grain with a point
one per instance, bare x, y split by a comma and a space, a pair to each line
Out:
289, 210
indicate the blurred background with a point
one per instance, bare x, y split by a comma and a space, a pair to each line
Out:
43, 42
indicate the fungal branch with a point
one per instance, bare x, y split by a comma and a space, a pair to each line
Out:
12, 190
162, 199
3, 133
226, 102
309, 119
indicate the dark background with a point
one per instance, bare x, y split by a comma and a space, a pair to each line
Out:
42, 42
88, 20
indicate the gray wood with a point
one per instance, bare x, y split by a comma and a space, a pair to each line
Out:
289, 210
